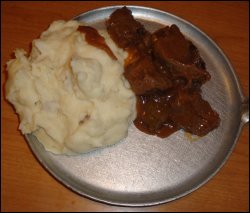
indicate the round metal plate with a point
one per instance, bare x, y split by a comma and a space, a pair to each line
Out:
145, 170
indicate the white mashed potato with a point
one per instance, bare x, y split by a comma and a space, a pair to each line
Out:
71, 95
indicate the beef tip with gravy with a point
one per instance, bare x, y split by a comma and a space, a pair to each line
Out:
166, 72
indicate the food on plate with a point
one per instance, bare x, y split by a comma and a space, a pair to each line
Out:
71, 93
166, 72
81, 88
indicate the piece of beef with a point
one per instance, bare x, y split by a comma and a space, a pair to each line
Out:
169, 42
144, 77
140, 69
179, 57
188, 75
179, 108
153, 110
189, 111
126, 31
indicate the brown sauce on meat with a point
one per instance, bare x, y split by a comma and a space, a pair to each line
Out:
152, 115
94, 38
166, 72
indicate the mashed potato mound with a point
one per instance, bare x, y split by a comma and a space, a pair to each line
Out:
71, 95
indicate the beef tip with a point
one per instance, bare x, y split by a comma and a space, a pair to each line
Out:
178, 108
153, 111
189, 75
125, 30
169, 42
179, 56
143, 76
140, 70
196, 58
192, 113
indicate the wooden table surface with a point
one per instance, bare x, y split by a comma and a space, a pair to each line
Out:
26, 186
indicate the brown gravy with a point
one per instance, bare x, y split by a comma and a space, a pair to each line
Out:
94, 38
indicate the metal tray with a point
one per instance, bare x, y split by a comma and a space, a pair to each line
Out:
144, 170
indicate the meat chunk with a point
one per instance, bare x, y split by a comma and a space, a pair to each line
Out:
153, 110
125, 30
192, 113
169, 42
145, 77
166, 72
179, 108
140, 69
187, 74
179, 57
